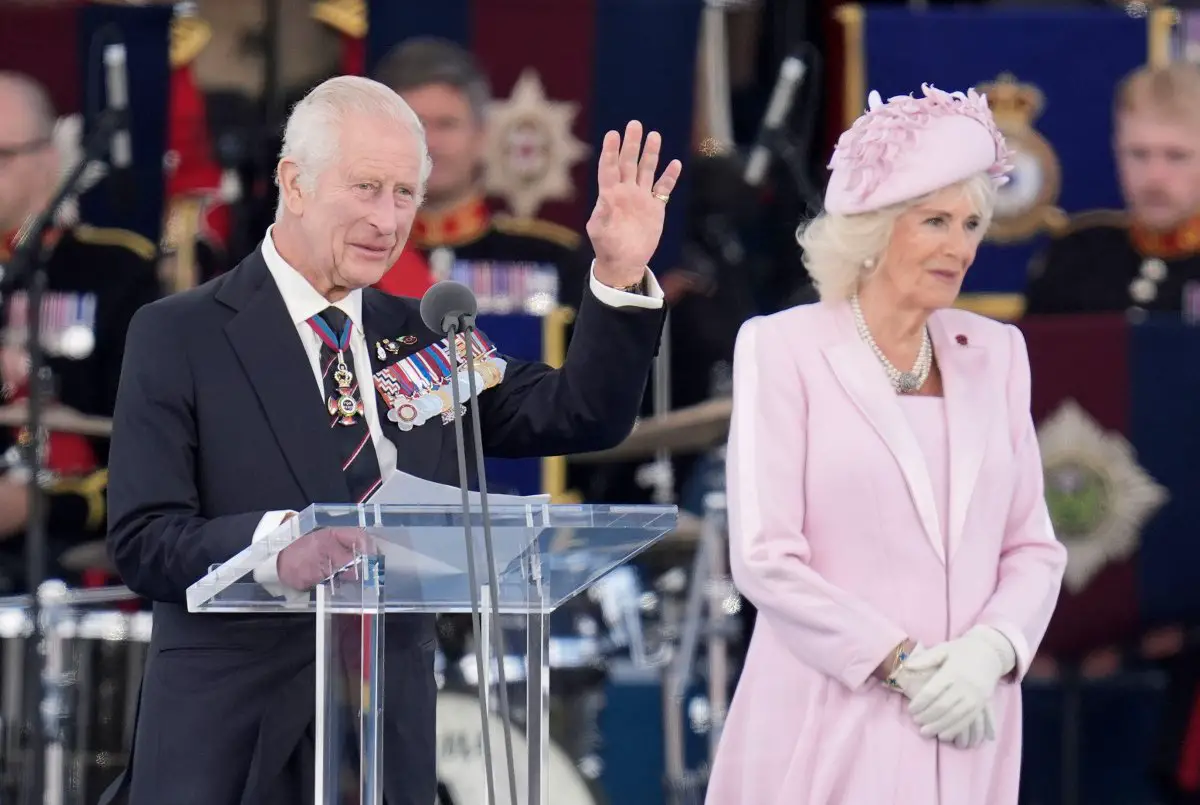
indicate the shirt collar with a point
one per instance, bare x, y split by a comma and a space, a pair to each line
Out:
302, 300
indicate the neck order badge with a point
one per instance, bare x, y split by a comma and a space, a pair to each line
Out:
343, 406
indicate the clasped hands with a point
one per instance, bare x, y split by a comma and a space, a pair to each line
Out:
950, 685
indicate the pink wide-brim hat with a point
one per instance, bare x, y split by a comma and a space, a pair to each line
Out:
908, 147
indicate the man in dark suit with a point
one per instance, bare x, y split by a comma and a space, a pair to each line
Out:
222, 429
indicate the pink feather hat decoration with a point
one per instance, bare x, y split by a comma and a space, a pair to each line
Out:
908, 147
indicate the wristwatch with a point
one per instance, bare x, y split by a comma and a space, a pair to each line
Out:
638, 287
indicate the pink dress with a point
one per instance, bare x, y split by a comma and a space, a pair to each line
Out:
927, 418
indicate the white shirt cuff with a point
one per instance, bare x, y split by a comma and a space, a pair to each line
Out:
651, 300
267, 574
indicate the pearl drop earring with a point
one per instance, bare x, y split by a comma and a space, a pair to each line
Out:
869, 263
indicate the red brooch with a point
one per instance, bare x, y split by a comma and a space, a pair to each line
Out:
961, 339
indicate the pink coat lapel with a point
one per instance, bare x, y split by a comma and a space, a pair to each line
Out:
970, 406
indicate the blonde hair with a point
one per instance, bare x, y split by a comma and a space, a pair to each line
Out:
1171, 92
840, 251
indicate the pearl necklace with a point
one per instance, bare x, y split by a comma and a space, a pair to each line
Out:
903, 382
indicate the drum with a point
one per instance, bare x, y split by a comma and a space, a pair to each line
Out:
14, 629
104, 654
460, 764
107, 655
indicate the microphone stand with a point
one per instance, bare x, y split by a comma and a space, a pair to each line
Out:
465, 325
27, 271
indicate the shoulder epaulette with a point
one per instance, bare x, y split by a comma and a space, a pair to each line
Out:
1092, 219
105, 236
537, 228
344, 16
189, 36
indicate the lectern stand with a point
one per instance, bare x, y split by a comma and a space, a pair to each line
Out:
413, 559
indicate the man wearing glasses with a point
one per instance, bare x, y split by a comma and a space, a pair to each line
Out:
96, 278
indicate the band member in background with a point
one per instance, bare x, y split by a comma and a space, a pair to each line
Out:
501, 257
200, 192
97, 278
1146, 258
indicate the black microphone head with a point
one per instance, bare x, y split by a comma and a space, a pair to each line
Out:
446, 302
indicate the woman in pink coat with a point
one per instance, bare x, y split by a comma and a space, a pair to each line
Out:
887, 516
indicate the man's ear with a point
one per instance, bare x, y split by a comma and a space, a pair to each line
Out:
289, 186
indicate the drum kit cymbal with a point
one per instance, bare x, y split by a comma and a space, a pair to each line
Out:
58, 418
691, 430
695, 429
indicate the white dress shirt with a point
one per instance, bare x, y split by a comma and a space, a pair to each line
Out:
303, 302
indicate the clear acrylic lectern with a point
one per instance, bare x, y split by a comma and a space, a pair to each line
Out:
413, 559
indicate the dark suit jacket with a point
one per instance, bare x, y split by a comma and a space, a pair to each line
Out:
217, 423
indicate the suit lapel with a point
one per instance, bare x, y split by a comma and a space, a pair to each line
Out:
860, 374
969, 405
264, 338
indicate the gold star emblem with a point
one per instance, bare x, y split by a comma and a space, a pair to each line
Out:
712, 147
531, 149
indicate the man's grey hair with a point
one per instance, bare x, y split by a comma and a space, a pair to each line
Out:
313, 132
842, 251
37, 100
425, 61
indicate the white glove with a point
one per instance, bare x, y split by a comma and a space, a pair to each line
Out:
910, 682
968, 670
983, 728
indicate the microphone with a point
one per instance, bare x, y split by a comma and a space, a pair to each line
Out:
448, 304
450, 308
120, 151
117, 92
783, 97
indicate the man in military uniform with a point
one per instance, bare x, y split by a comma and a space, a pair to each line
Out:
1148, 257
514, 265
96, 279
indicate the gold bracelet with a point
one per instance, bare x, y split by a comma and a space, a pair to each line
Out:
898, 658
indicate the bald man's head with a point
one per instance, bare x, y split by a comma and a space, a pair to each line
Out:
28, 160
25, 107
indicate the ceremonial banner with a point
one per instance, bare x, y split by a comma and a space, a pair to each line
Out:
562, 74
1050, 76
1115, 409
1116, 414
54, 44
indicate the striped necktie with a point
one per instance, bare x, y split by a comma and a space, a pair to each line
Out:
343, 401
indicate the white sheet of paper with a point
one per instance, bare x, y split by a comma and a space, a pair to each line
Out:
403, 489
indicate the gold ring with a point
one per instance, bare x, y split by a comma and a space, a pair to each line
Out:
663, 197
